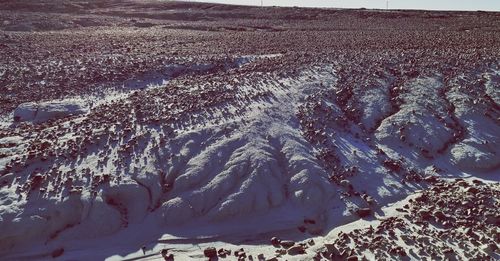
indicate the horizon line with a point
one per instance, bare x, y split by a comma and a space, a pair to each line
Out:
345, 8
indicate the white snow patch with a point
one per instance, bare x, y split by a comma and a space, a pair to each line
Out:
43, 111
473, 156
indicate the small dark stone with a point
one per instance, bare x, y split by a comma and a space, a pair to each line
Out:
275, 241
363, 212
472, 190
222, 252
210, 252
430, 179
331, 249
440, 215
296, 250
352, 258
477, 182
287, 243
57, 253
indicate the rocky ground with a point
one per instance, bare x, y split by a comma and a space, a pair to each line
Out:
452, 220
205, 125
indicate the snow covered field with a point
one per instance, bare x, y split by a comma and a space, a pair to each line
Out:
232, 150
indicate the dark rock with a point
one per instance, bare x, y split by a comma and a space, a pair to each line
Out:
490, 248
493, 219
275, 241
57, 252
431, 179
398, 251
440, 215
352, 258
223, 253
287, 243
477, 182
210, 252
472, 190
240, 252
422, 198
296, 250
169, 257
363, 212
331, 249
309, 221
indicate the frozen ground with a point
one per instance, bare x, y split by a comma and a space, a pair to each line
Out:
229, 150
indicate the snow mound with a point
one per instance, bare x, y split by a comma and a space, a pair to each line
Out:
45, 111
474, 156
421, 121
476, 107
